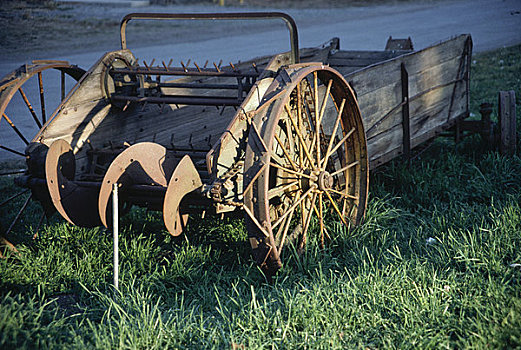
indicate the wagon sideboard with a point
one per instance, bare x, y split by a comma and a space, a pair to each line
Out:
408, 99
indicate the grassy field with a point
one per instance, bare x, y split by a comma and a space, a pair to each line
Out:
435, 265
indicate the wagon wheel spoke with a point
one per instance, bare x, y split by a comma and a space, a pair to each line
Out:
30, 107
302, 142
21, 95
13, 197
12, 151
281, 189
21, 117
333, 203
321, 218
18, 215
308, 214
42, 97
15, 128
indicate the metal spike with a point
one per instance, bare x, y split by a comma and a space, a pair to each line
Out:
126, 106
195, 64
216, 67
188, 62
233, 67
184, 67
255, 67
17, 217
39, 225
146, 65
164, 65
144, 106
220, 63
205, 64
222, 110
170, 62
152, 63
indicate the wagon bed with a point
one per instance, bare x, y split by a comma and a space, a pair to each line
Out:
284, 138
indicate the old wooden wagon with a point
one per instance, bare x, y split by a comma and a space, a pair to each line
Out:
288, 139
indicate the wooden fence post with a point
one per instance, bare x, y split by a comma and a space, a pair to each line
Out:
507, 122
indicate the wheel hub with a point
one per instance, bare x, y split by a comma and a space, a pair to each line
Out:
325, 181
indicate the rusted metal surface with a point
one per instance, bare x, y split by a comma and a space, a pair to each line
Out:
184, 180
144, 163
75, 203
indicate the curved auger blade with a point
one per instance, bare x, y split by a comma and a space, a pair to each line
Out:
184, 180
144, 163
77, 204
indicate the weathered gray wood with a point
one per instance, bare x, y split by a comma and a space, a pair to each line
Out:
352, 62
379, 75
507, 122
377, 55
437, 88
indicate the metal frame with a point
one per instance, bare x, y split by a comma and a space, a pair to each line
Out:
290, 23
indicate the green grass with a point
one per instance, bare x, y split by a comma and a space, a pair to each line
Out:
431, 267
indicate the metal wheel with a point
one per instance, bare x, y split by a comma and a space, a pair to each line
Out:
306, 163
26, 96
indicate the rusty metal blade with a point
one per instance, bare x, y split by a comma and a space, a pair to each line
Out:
144, 163
184, 180
75, 203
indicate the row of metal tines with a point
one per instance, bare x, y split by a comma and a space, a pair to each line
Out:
150, 90
218, 69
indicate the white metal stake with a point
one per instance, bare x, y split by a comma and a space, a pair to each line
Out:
115, 229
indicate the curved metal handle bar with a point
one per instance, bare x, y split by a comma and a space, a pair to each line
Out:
290, 23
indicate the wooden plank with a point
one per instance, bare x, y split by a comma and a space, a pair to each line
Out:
438, 91
379, 102
385, 143
377, 76
507, 122
432, 109
352, 62
428, 116
375, 105
378, 55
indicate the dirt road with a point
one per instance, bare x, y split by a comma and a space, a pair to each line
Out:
492, 23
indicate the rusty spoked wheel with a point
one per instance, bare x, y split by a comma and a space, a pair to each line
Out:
27, 95
310, 148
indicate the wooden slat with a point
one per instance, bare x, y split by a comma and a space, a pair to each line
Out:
352, 62
433, 78
377, 55
375, 77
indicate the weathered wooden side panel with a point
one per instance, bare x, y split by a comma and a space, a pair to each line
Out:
438, 78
